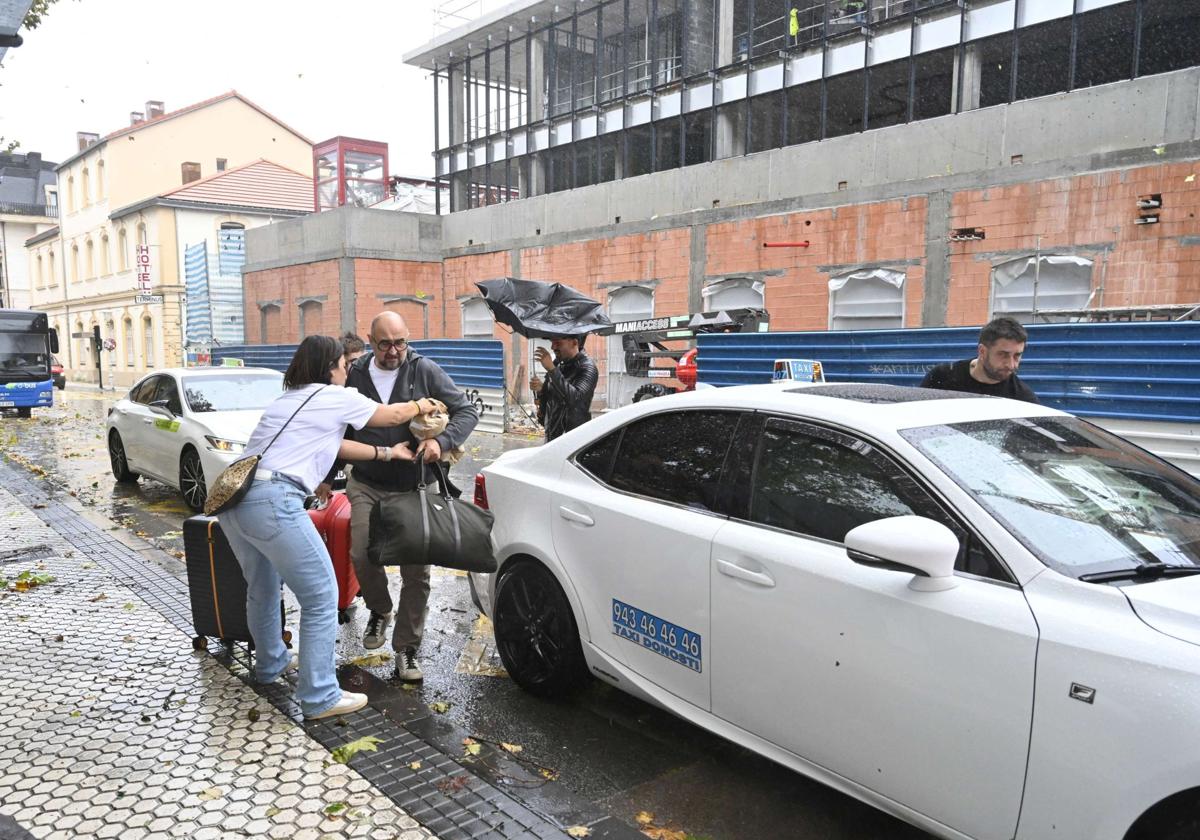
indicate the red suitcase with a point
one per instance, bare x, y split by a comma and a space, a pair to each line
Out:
333, 524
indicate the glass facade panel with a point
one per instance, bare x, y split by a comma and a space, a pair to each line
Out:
888, 102
933, 84
1044, 59
666, 142
803, 113
844, 104
1170, 36
987, 75
639, 151
766, 122
1104, 51
697, 137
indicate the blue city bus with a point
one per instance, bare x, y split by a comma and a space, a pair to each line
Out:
26, 342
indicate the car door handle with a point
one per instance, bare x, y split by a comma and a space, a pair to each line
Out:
574, 516
147, 421
733, 570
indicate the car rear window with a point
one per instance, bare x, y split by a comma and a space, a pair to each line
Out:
676, 456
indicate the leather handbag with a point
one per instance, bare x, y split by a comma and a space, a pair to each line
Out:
231, 485
423, 527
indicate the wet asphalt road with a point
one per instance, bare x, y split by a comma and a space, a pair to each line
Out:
605, 747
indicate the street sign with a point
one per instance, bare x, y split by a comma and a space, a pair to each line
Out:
110, 344
147, 298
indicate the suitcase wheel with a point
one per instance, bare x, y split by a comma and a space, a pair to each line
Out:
287, 637
199, 643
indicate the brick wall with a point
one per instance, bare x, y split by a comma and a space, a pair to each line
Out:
461, 275
377, 280
289, 285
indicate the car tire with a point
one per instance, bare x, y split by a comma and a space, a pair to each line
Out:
653, 389
191, 479
1185, 828
536, 633
116, 456
25, 412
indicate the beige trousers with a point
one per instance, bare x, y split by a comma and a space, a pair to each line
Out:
413, 606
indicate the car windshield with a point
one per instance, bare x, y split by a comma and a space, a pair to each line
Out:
24, 354
231, 392
1083, 500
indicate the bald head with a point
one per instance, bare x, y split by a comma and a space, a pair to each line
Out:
389, 338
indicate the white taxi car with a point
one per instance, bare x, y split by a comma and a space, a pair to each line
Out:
979, 615
180, 425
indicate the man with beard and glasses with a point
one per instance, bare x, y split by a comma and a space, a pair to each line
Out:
395, 373
994, 370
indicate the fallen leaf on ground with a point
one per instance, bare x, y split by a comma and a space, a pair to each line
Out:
579, 831
415, 765
335, 809
371, 660
440, 708
346, 751
664, 833
100, 597
644, 818
548, 774
473, 746
129, 605
512, 748
211, 793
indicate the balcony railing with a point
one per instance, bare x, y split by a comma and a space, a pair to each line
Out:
18, 209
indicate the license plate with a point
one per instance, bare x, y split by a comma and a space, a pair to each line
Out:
7, 403
669, 640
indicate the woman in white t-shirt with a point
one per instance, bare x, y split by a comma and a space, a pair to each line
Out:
299, 436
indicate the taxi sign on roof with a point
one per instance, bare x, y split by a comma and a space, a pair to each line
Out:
798, 370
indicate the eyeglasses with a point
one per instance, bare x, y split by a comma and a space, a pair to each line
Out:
387, 346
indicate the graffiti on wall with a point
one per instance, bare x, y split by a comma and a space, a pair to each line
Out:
477, 401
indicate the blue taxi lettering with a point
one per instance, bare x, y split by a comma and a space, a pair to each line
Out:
668, 640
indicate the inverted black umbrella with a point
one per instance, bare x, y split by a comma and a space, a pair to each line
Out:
537, 309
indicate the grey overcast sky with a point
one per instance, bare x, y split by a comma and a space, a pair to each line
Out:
324, 68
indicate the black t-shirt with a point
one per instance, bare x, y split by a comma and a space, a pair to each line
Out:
957, 377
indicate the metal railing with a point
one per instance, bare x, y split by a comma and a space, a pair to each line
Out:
18, 209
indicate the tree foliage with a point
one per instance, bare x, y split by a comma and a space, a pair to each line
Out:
37, 13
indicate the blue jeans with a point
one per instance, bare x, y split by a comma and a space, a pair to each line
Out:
274, 539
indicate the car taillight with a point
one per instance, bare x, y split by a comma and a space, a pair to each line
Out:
481, 491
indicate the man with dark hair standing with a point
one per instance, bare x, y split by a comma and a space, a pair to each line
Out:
994, 370
395, 373
565, 401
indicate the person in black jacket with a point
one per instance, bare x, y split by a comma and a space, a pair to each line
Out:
395, 373
994, 370
565, 400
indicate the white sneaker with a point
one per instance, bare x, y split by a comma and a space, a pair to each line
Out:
407, 668
377, 627
350, 702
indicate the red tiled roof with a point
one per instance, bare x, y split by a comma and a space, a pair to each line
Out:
258, 184
232, 94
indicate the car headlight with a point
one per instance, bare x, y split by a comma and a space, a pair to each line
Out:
223, 445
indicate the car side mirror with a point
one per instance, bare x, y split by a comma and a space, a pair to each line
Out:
162, 407
913, 544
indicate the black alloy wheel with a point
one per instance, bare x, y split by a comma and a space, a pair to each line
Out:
651, 390
191, 479
536, 632
116, 456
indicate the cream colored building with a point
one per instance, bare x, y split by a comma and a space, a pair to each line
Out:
119, 233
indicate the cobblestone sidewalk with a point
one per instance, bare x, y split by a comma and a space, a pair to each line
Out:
110, 726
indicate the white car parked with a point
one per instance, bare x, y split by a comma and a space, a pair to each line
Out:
979, 615
182, 425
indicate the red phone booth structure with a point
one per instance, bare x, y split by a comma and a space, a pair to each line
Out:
349, 171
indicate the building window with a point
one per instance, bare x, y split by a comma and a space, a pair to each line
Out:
90, 253
1170, 36
477, 321
127, 337
74, 263
888, 102
1104, 52
41, 281
80, 345
844, 104
99, 180
141, 234
269, 322
71, 194
148, 341
733, 293
628, 303
105, 257
122, 250
310, 318
231, 249
85, 189
1044, 59
1042, 289
191, 172
803, 113
51, 270
221, 162
933, 84
867, 299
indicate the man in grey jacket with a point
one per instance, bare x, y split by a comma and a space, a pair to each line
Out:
395, 373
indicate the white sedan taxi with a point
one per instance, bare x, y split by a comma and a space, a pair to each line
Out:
183, 425
979, 615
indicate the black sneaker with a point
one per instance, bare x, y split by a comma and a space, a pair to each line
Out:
377, 627
407, 668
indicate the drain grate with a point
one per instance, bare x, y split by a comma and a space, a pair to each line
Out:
27, 554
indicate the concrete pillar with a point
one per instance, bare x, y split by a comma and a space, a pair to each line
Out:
728, 129
937, 260
457, 121
970, 76
533, 179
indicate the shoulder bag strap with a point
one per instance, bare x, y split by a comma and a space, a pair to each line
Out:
290, 419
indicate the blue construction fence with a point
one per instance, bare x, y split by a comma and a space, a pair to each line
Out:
1138, 370
475, 365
